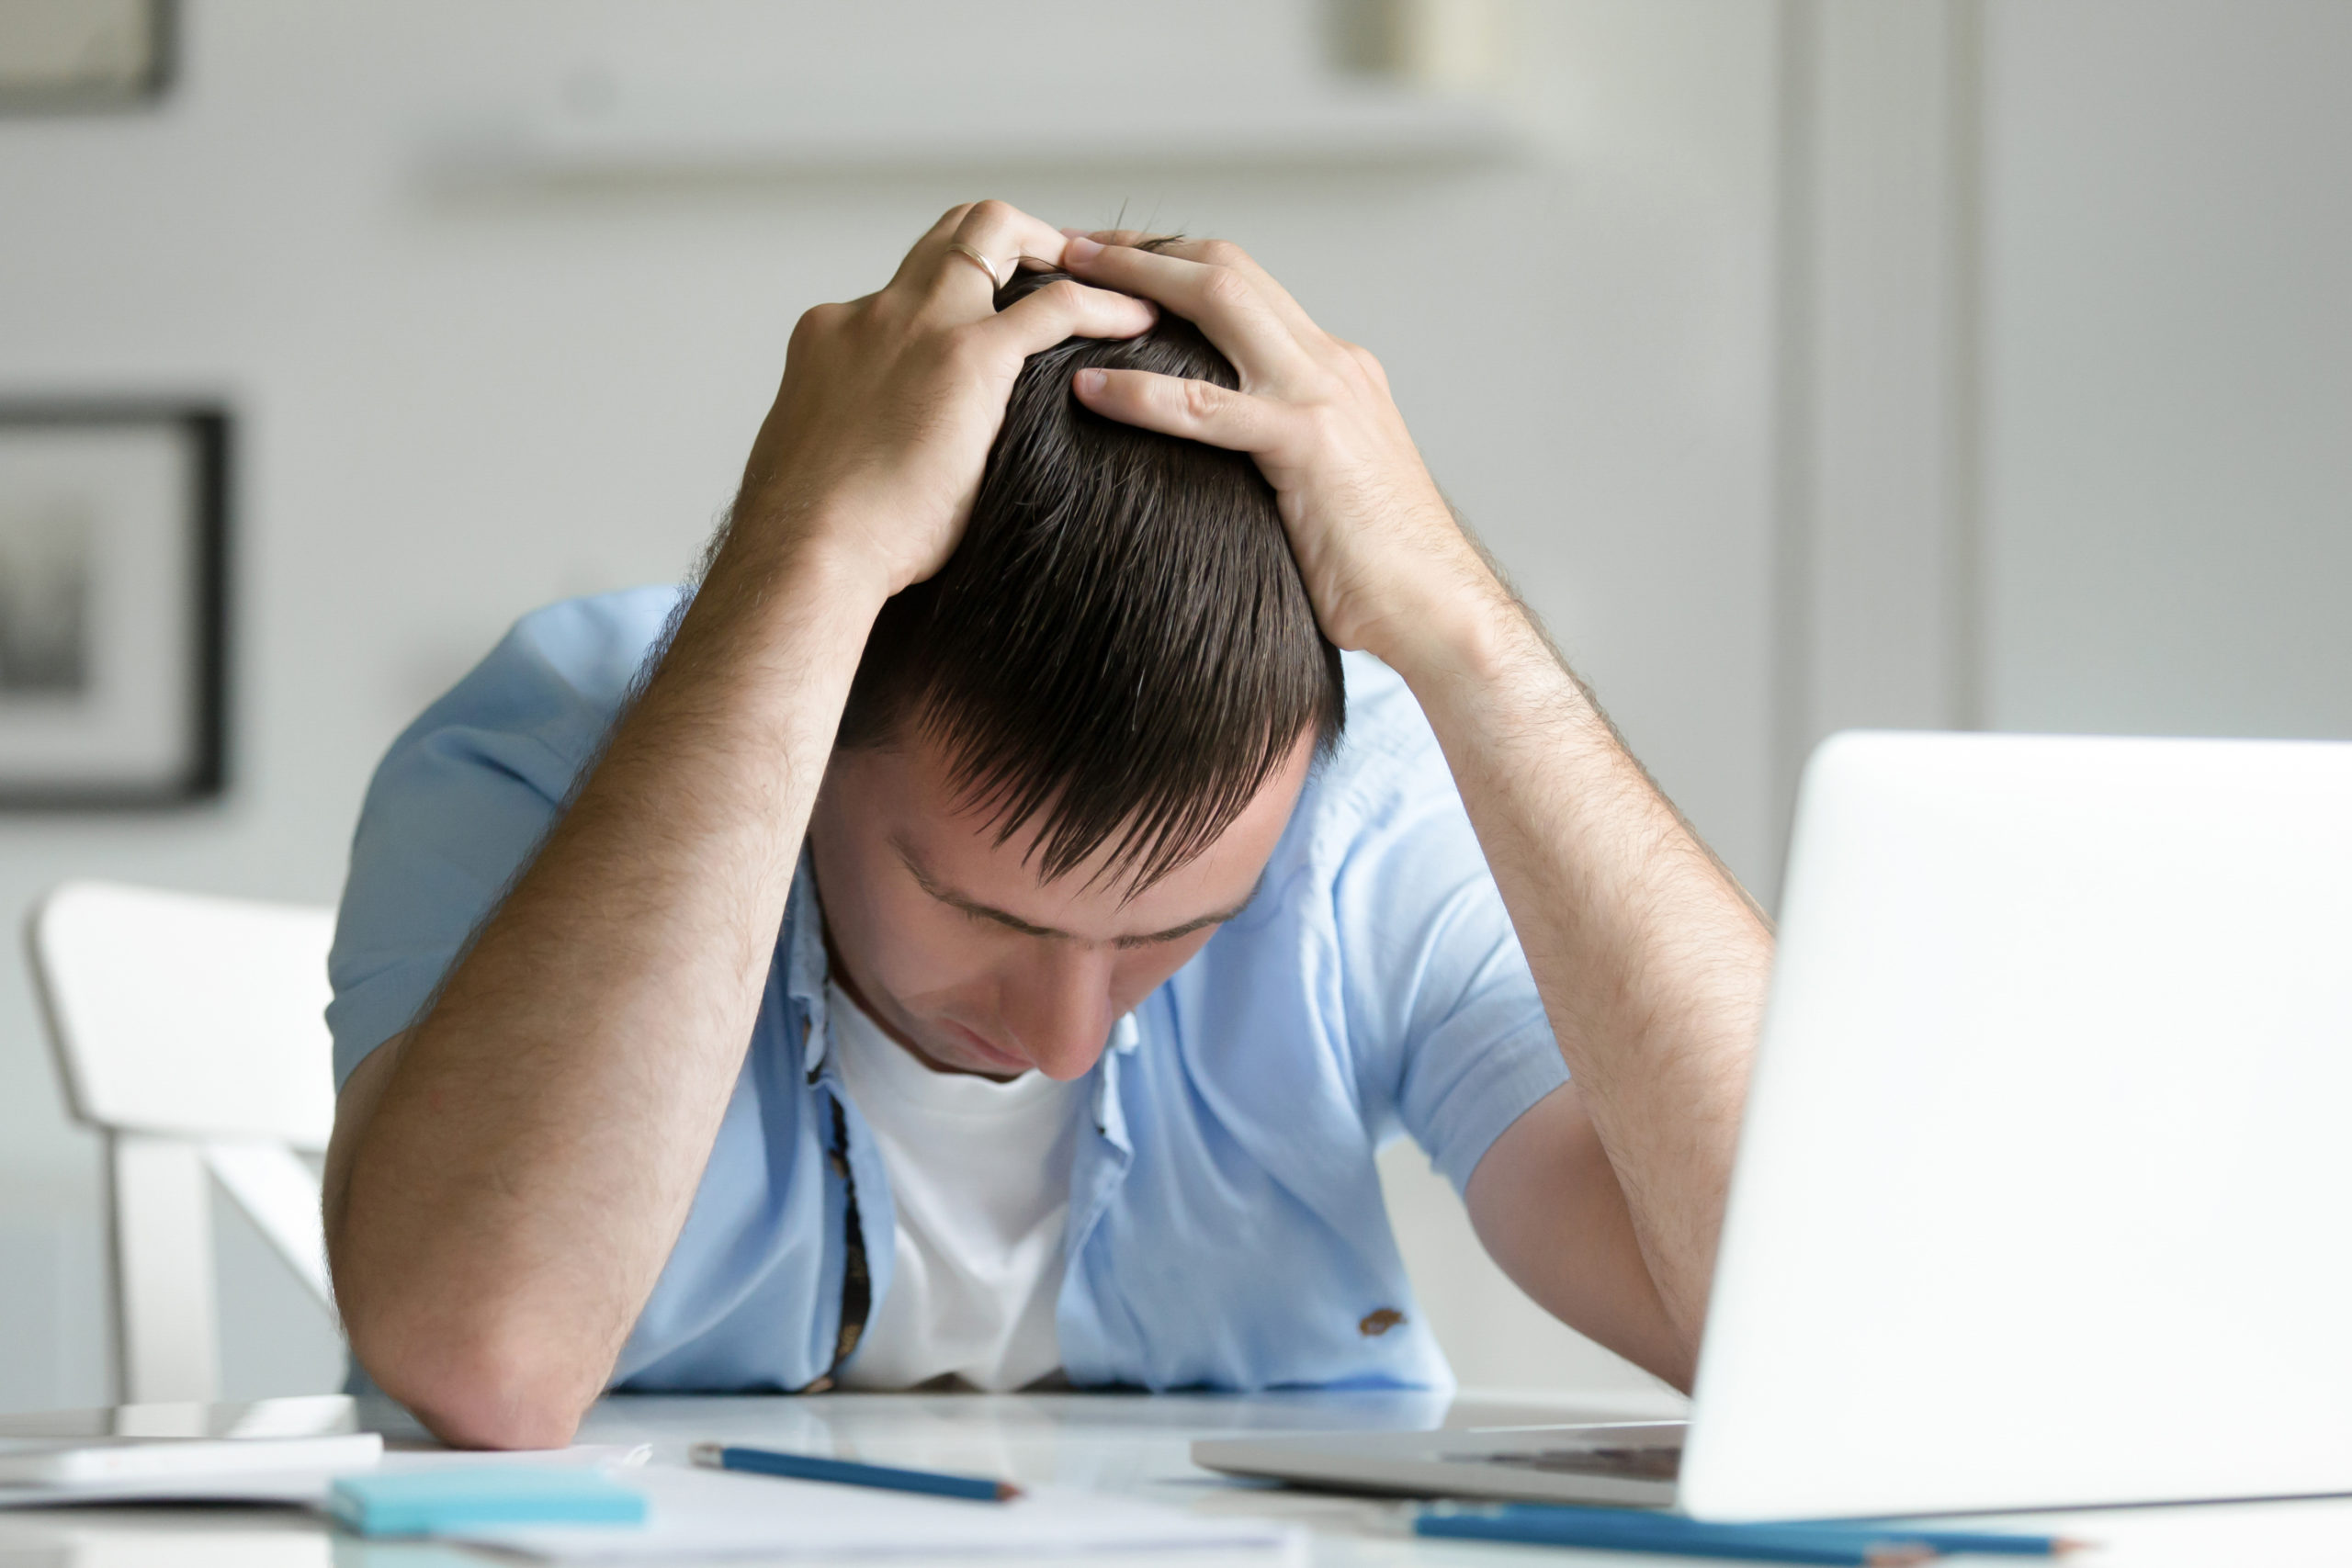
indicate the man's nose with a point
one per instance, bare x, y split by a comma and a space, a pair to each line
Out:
1059, 1010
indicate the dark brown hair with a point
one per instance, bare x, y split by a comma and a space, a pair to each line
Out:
1121, 649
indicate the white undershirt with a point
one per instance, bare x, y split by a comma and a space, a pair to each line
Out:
980, 1176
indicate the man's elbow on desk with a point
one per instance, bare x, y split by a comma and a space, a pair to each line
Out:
470, 1348
480, 1385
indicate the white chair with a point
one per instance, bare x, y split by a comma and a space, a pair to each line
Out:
188, 1030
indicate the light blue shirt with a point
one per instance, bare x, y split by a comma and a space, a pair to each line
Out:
1226, 1226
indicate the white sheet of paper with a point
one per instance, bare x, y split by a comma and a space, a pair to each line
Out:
717, 1514
97, 1461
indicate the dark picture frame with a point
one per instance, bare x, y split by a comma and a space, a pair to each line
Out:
114, 578
86, 56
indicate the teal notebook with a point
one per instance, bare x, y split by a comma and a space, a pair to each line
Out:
433, 1502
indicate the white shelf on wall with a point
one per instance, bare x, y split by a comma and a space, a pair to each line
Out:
595, 132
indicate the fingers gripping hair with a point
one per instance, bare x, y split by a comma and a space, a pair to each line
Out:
1121, 651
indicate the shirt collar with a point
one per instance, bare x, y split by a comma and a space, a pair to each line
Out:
804, 963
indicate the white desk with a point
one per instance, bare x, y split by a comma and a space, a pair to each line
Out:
1135, 1445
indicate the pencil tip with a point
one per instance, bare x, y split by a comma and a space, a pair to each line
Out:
1006, 1491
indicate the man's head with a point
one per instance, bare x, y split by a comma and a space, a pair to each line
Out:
1069, 753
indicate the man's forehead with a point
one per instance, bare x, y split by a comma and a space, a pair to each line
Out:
958, 845
974, 871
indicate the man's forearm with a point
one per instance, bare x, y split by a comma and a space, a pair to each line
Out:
1651, 962
534, 1144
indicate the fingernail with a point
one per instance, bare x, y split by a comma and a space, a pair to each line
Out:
1091, 381
1080, 248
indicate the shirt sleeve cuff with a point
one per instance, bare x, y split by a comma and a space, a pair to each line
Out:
1504, 1084
364, 1016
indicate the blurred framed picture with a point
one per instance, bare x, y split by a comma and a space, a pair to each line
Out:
78, 56
113, 574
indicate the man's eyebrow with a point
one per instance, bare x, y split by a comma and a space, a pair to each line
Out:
1188, 927
954, 900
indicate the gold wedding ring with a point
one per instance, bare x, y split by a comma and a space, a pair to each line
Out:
961, 248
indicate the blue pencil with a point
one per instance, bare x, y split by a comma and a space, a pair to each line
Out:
1982, 1542
1622, 1530
847, 1472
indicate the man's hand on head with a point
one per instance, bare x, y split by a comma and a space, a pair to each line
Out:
875, 445
1384, 560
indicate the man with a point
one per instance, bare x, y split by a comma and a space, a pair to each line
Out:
849, 1000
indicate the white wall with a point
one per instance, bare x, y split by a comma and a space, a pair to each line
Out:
2069, 368
457, 403
2168, 367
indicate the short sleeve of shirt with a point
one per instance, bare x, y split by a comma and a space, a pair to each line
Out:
1442, 1013
460, 802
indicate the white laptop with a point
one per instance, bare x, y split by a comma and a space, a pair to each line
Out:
2044, 1193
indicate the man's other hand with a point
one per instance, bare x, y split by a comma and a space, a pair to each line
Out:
1384, 562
